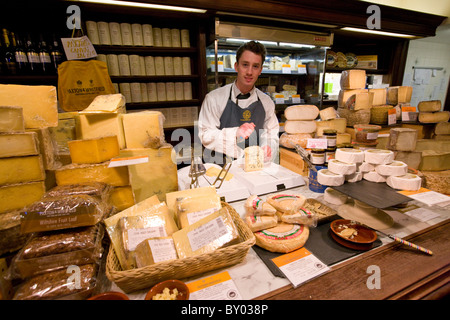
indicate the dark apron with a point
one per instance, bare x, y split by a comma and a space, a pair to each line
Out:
235, 116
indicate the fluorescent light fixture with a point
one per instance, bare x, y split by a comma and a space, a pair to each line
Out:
145, 5
272, 43
296, 45
392, 34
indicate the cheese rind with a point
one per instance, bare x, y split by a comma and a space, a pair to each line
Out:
300, 126
143, 129
18, 144
284, 237
11, 119
96, 150
301, 112
408, 181
429, 106
21, 169
39, 103
434, 117
17, 196
81, 173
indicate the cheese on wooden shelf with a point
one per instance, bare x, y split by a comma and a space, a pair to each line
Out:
429, 106
284, 237
158, 176
402, 139
327, 178
346, 94
39, 103
80, 173
107, 103
11, 119
92, 126
378, 156
379, 114
353, 79
21, 169
395, 168
399, 94
353, 117
379, 96
434, 117
96, 150
143, 129
408, 181
300, 126
442, 128
301, 112
122, 197
17, 196
206, 235
18, 144
338, 124
359, 101
253, 159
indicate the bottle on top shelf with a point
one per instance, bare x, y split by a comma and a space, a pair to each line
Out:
56, 54
33, 57
8, 58
19, 54
44, 56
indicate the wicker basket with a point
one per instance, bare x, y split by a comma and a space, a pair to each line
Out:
145, 277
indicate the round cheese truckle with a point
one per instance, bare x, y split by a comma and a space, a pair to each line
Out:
283, 238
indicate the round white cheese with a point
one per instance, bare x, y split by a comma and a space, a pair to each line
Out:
334, 197
284, 237
378, 156
354, 177
340, 167
349, 155
395, 168
408, 181
373, 176
365, 167
327, 178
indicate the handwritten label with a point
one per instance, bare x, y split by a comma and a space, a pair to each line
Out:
78, 48
317, 144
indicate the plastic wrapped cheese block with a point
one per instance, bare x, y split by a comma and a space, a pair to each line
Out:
327, 178
283, 238
287, 202
340, 167
402, 139
253, 159
301, 112
11, 119
212, 232
194, 208
154, 250
300, 126
334, 197
254, 205
395, 168
429, 106
408, 181
378, 156
300, 216
291, 140
258, 223
373, 176
349, 155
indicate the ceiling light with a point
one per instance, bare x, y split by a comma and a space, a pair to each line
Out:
145, 5
296, 45
392, 34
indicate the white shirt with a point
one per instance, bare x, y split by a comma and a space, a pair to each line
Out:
224, 140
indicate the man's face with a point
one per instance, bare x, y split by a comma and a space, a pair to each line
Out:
248, 70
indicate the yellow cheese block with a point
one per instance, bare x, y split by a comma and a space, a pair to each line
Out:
253, 159
143, 129
353, 79
158, 176
65, 131
338, 124
399, 94
346, 94
21, 169
11, 119
94, 150
193, 209
92, 126
81, 173
17, 196
18, 144
379, 96
122, 198
154, 250
215, 231
39, 103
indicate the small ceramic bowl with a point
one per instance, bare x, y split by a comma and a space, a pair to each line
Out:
111, 295
183, 290
363, 240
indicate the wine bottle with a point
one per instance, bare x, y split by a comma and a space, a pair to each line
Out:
19, 54
8, 54
56, 54
34, 62
44, 56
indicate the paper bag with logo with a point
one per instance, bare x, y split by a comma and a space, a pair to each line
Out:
79, 82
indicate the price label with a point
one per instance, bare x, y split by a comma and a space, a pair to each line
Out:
317, 144
220, 66
295, 98
392, 116
406, 113
128, 161
279, 99
78, 48
216, 287
286, 68
301, 68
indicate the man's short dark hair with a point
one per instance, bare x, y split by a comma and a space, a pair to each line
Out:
253, 46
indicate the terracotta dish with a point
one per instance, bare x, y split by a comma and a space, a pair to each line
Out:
352, 234
183, 290
112, 295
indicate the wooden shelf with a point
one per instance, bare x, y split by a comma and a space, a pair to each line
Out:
167, 51
153, 78
162, 104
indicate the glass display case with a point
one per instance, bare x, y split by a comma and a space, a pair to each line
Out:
291, 71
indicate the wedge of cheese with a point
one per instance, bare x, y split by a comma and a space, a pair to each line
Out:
107, 103
353, 79
258, 223
143, 129
210, 233
286, 202
21, 169
328, 113
93, 126
18, 144
11, 119
17, 196
399, 94
81, 173
39, 103
122, 198
95, 150
253, 159
254, 205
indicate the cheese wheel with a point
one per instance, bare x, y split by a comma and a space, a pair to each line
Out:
340, 167
442, 128
327, 178
395, 168
373, 176
408, 181
300, 126
301, 112
354, 177
290, 140
434, 117
284, 237
258, 223
285, 202
254, 205
429, 106
378, 156
349, 155
334, 197
365, 167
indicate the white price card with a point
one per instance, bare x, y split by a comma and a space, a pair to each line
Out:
220, 66
279, 99
406, 113
295, 98
78, 48
427, 196
392, 116
286, 68
120, 162
317, 144
301, 68
216, 287
300, 266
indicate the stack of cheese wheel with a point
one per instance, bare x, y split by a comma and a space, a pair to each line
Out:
300, 119
288, 233
430, 112
342, 168
259, 214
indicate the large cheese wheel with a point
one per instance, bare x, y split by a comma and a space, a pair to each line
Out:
408, 181
429, 106
327, 178
285, 237
434, 117
395, 168
290, 140
286, 202
300, 126
378, 156
349, 155
301, 112
340, 167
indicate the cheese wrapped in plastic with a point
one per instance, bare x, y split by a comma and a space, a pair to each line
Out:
300, 216
155, 250
194, 208
212, 232
258, 223
254, 205
287, 203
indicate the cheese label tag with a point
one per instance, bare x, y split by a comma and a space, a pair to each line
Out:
216, 287
406, 113
128, 161
301, 69
219, 64
300, 266
317, 144
392, 116
286, 68
295, 98
279, 99
78, 48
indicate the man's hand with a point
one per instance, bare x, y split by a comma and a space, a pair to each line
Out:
267, 153
245, 130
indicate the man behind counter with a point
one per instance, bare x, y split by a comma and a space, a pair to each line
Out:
238, 115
